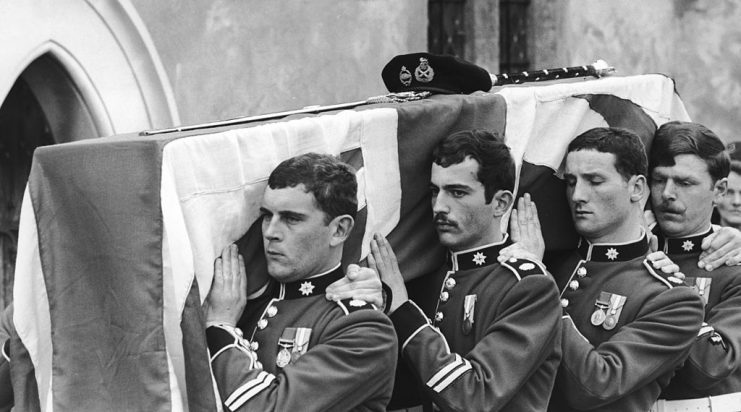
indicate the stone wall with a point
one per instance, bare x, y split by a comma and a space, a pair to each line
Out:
228, 58
696, 42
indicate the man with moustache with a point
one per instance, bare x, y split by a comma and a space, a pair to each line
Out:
688, 168
492, 343
299, 351
626, 326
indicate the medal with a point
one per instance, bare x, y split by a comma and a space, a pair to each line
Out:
469, 307
598, 317
609, 323
602, 303
283, 358
613, 311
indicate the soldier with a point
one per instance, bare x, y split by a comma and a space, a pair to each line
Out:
493, 342
729, 206
626, 326
688, 167
300, 352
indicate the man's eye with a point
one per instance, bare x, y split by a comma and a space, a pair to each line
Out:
434, 191
457, 193
292, 219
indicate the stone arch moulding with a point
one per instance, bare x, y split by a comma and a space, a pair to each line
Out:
105, 48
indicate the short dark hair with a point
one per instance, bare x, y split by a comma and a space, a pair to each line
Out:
331, 181
629, 151
496, 166
678, 138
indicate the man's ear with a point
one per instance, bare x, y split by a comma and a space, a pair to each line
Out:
341, 227
719, 190
638, 189
502, 201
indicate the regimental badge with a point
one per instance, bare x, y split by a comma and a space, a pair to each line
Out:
424, 73
469, 308
701, 285
293, 343
613, 311
405, 76
602, 303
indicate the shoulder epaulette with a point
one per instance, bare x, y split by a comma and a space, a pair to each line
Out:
353, 305
667, 279
524, 267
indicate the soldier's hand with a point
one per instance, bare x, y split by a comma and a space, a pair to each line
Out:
524, 227
383, 260
228, 295
660, 261
358, 283
723, 247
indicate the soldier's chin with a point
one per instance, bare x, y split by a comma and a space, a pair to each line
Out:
448, 240
279, 271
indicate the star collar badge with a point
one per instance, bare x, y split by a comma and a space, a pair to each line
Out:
612, 253
479, 258
306, 288
688, 245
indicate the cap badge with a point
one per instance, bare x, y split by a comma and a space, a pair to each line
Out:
405, 76
424, 73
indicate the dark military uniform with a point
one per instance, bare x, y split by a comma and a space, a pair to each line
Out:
626, 328
714, 363
493, 342
301, 352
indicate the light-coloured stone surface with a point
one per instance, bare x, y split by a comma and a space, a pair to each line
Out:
696, 42
228, 58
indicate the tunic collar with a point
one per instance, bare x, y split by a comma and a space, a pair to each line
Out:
681, 246
312, 286
478, 257
613, 252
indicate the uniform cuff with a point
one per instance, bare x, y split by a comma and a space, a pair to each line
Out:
219, 337
407, 319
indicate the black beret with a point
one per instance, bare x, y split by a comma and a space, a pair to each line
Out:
434, 73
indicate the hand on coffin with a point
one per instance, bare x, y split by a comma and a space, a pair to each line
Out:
228, 295
524, 227
382, 259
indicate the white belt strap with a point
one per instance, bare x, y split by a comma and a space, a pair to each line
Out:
730, 402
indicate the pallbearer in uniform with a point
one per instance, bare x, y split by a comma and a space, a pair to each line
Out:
293, 350
492, 343
688, 168
626, 326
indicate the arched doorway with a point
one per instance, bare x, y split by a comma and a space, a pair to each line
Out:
43, 107
86, 69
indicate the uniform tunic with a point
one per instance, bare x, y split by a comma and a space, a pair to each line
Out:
714, 363
626, 328
301, 352
493, 342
